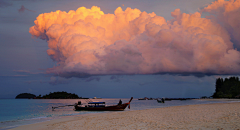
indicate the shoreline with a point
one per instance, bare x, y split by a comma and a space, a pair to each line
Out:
200, 116
218, 99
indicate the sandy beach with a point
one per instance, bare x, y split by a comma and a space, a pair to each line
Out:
218, 116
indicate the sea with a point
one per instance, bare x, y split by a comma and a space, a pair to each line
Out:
17, 112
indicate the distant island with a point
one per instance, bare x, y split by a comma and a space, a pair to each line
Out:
25, 96
54, 95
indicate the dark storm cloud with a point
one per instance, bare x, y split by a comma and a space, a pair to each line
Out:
73, 74
92, 78
196, 74
4, 4
22, 9
115, 78
58, 80
27, 72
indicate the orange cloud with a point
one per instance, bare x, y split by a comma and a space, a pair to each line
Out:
227, 13
87, 41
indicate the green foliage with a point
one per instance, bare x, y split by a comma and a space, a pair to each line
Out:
227, 88
204, 97
60, 95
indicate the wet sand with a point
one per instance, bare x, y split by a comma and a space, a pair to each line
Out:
217, 116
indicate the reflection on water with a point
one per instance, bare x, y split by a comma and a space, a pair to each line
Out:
15, 112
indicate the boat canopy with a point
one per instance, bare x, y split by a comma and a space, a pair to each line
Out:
96, 103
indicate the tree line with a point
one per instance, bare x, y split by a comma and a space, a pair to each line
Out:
227, 88
58, 95
54, 95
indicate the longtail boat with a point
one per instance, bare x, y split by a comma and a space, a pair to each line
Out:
161, 100
100, 106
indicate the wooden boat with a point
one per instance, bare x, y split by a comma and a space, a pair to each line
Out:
145, 98
160, 100
100, 106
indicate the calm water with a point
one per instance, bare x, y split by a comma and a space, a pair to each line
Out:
16, 112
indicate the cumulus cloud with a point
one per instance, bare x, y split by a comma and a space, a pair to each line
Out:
89, 42
227, 13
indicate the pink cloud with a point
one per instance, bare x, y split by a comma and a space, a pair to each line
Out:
87, 41
227, 13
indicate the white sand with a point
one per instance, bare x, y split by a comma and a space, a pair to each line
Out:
219, 116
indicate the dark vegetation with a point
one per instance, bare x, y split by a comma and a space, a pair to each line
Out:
227, 88
25, 96
58, 95
54, 95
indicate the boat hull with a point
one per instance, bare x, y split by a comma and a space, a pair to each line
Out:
102, 108
160, 101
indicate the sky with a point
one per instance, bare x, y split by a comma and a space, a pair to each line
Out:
118, 49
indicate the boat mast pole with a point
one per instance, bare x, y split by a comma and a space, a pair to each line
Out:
130, 100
